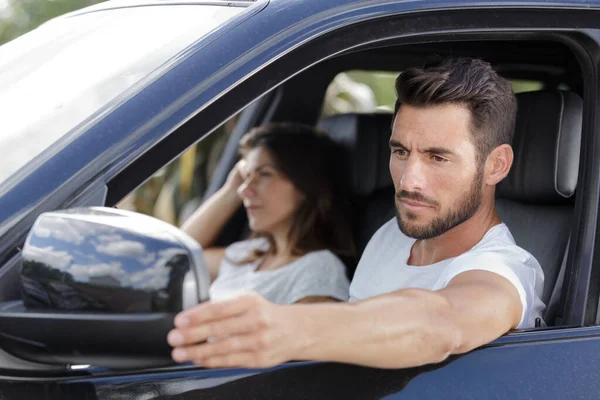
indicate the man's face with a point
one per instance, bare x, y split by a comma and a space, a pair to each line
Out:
435, 171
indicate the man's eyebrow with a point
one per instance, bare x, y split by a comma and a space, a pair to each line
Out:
442, 151
394, 144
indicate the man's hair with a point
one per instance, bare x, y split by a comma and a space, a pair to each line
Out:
468, 82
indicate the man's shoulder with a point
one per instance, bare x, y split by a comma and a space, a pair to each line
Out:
499, 242
498, 237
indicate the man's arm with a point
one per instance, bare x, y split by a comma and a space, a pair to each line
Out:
407, 328
414, 327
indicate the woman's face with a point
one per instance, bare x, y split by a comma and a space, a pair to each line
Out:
269, 197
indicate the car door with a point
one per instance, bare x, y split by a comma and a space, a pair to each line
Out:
225, 75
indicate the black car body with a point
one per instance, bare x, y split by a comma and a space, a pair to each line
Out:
273, 60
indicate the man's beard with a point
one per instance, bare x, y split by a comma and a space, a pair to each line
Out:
466, 208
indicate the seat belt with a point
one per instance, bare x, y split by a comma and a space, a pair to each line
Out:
554, 303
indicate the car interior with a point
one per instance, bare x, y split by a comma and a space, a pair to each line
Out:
536, 200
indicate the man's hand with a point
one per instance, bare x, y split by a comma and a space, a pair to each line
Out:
246, 331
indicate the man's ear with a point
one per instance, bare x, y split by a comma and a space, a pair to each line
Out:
498, 164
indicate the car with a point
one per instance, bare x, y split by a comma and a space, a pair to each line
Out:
97, 101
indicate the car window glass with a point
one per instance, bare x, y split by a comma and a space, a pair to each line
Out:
83, 62
177, 189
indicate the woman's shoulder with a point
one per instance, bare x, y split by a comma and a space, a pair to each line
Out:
322, 259
239, 251
321, 273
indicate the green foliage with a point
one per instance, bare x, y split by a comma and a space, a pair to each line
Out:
381, 82
20, 16
520, 85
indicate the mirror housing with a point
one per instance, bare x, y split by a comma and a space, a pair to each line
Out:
101, 286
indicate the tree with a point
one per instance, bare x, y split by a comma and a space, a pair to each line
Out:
20, 16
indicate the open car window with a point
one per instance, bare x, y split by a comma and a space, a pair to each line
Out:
177, 189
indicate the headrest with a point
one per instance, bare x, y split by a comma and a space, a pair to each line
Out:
546, 147
366, 138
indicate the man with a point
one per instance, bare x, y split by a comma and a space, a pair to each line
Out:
448, 280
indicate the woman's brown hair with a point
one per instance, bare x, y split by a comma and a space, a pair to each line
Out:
314, 164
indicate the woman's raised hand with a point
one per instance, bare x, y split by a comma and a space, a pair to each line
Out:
206, 222
235, 177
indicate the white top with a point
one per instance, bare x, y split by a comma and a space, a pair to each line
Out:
383, 268
318, 273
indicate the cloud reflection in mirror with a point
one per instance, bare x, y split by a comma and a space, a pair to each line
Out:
88, 262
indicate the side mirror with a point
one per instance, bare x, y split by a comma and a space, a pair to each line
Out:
101, 286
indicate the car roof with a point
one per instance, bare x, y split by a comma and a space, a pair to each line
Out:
117, 4
419, 4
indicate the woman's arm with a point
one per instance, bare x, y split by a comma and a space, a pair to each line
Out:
213, 258
206, 222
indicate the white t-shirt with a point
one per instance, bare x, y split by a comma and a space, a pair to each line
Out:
318, 273
383, 268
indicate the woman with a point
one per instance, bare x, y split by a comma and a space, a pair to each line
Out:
290, 184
